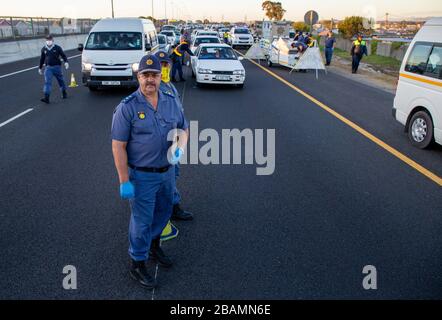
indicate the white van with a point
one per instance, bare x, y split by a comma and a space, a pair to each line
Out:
113, 50
418, 101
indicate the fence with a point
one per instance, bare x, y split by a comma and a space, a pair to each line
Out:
16, 28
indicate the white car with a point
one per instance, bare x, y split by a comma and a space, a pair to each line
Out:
217, 64
203, 39
418, 101
241, 37
171, 36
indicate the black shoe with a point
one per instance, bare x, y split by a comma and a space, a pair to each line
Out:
139, 273
156, 253
180, 214
65, 94
174, 80
45, 99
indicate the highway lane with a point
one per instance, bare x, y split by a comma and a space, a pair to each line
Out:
336, 203
369, 107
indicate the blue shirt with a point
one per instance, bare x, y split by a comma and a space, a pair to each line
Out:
329, 42
145, 130
170, 89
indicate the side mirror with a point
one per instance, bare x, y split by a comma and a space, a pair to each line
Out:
80, 47
148, 47
240, 58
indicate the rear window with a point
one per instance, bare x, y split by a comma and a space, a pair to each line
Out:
241, 31
199, 41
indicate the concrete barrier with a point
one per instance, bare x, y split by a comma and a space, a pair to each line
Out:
24, 49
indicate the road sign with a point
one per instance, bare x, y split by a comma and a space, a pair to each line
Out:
311, 17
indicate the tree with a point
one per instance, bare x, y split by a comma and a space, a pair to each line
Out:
300, 26
352, 26
206, 21
149, 18
273, 10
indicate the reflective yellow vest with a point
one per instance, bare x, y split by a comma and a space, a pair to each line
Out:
176, 51
359, 43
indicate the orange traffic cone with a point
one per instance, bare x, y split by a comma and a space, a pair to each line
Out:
73, 82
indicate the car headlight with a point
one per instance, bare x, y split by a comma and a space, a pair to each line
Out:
204, 71
87, 66
239, 72
135, 67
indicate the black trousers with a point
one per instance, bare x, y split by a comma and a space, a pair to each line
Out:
355, 62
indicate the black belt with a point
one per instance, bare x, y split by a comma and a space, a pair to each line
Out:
150, 170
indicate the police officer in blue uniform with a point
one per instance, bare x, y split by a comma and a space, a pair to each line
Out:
144, 159
50, 58
168, 87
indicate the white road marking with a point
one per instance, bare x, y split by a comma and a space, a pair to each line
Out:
16, 117
32, 68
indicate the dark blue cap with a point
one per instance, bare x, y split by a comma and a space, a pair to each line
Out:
149, 63
163, 56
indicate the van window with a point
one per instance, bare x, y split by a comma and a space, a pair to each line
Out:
114, 41
434, 65
417, 62
153, 38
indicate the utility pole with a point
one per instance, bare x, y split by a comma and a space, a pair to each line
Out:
152, 11
386, 21
165, 9
112, 4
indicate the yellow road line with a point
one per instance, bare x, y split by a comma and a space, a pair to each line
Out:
435, 178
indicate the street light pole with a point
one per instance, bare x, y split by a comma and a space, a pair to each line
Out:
152, 10
112, 4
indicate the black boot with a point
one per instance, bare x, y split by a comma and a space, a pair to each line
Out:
65, 94
180, 214
45, 99
139, 273
156, 253
174, 80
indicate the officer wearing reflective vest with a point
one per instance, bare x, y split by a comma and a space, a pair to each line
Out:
177, 56
358, 49
226, 37
168, 87
144, 158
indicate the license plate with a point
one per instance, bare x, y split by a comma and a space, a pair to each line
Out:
223, 78
110, 83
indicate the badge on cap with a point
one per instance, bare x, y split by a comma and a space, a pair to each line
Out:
141, 115
149, 62
162, 55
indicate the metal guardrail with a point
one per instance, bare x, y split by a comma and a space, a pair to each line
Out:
19, 28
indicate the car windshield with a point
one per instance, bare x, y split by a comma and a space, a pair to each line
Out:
199, 41
241, 31
114, 41
217, 53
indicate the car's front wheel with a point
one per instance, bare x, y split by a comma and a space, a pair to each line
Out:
93, 88
420, 130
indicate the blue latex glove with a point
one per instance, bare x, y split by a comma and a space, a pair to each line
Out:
176, 157
127, 191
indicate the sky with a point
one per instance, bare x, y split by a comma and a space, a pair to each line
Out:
216, 10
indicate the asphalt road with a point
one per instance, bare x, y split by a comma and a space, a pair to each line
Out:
335, 203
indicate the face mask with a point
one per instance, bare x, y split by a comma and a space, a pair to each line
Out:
165, 74
49, 43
